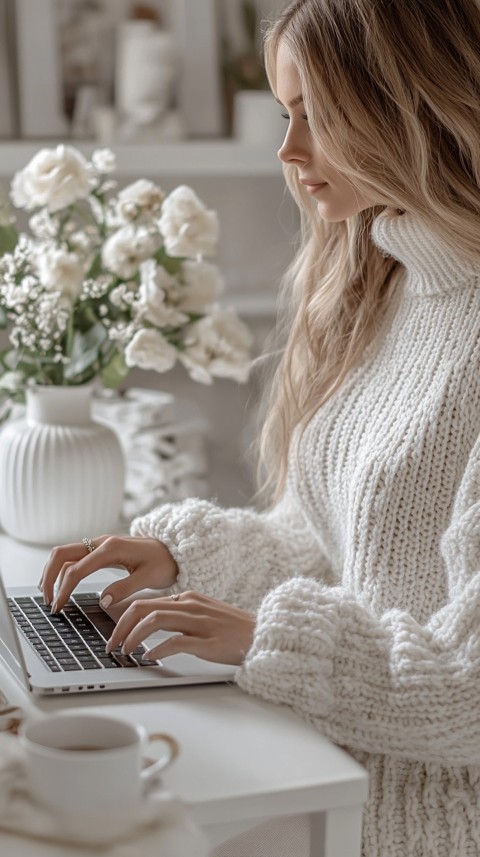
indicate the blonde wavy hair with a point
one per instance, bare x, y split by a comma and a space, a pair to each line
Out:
392, 92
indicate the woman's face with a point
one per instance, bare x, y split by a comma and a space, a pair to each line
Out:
334, 194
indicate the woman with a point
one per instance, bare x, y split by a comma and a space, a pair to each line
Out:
355, 598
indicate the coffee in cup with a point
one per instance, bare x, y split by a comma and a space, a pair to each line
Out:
88, 764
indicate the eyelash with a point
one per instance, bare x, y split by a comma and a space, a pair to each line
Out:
286, 116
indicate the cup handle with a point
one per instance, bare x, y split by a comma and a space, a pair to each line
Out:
164, 761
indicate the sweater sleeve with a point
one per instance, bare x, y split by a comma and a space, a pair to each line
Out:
236, 555
381, 684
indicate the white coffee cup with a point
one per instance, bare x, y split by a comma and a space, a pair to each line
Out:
89, 764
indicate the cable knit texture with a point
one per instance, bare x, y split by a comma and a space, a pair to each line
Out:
366, 578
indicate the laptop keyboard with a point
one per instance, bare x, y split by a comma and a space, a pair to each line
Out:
75, 638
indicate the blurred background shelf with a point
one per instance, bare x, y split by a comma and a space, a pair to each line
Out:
52, 48
191, 159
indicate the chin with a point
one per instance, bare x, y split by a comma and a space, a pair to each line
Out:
339, 213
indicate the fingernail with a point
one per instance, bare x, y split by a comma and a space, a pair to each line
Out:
105, 602
108, 647
54, 608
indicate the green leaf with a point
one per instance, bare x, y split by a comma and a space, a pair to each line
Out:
95, 267
11, 359
8, 239
171, 264
115, 371
85, 350
8, 358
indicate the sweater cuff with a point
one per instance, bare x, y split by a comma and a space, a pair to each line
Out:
190, 531
291, 660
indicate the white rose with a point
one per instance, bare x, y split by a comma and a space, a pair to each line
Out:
143, 198
54, 178
123, 252
104, 161
217, 345
188, 227
202, 286
155, 285
60, 271
148, 349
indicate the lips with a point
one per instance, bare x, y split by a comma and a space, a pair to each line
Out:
312, 183
313, 187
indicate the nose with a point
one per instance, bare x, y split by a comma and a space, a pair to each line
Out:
292, 150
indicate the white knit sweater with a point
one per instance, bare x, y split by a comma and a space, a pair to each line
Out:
366, 578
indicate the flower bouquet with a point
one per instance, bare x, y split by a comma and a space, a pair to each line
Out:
107, 281
104, 281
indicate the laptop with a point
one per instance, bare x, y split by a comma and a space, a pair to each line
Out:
65, 653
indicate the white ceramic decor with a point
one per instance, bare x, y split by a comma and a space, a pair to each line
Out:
257, 119
61, 472
146, 68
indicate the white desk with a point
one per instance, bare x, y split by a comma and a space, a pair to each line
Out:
242, 760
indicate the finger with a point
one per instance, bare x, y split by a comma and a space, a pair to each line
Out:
73, 572
179, 623
134, 555
56, 561
121, 589
62, 574
143, 618
155, 620
132, 616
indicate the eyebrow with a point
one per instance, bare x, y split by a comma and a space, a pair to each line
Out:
298, 99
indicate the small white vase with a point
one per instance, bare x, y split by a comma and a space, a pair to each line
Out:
61, 473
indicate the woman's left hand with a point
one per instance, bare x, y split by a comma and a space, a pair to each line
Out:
203, 626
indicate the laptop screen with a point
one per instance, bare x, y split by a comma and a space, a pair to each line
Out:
10, 649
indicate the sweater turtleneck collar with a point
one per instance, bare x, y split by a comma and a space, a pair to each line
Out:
433, 267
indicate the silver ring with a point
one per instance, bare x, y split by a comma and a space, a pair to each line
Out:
175, 596
88, 544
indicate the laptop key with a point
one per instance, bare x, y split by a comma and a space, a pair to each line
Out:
144, 663
75, 638
124, 660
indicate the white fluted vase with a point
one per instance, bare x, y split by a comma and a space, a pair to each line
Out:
62, 474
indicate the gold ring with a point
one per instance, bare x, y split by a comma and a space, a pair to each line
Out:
88, 544
175, 596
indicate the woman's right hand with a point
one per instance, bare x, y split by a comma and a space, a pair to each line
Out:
149, 563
